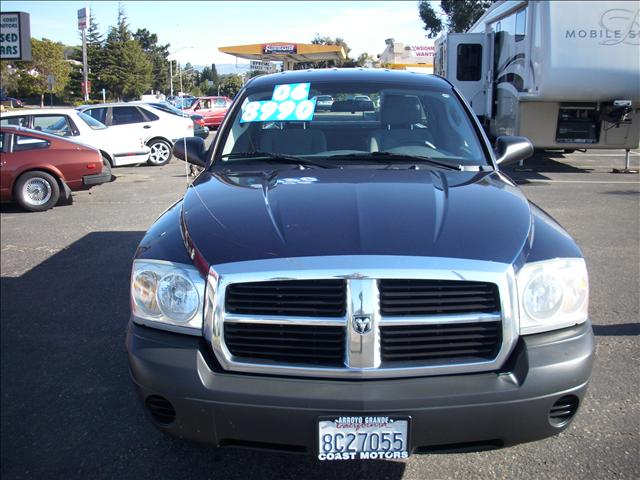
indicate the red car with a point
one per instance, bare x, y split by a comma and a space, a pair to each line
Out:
36, 168
213, 109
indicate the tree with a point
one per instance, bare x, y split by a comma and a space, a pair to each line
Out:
8, 77
47, 59
461, 14
214, 74
157, 55
190, 79
318, 40
127, 70
95, 54
365, 59
230, 85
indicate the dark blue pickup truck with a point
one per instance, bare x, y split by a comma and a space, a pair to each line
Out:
357, 282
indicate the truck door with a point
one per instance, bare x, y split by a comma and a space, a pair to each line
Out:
468, 68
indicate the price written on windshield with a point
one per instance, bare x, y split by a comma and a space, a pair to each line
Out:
289, 102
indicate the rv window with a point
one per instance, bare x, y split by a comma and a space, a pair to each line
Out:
469, 67
521, 24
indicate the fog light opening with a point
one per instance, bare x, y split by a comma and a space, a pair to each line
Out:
160, 409
563, 410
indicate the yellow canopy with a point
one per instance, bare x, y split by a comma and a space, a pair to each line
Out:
286, 52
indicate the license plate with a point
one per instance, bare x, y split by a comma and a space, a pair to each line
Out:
363, 438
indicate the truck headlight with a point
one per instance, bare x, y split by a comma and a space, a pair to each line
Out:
167, 295
552, 294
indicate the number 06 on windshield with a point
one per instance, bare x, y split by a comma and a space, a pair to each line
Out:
288, 103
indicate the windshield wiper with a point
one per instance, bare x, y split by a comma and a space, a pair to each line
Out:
278, 158
388, 157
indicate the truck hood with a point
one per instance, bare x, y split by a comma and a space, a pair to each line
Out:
357, 211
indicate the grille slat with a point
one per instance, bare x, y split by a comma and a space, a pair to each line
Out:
440, 301
435, 309
285, 346
469, 352
411, 330
430, 297
438, 345
289, 338
440, 341
311, 298
413, 339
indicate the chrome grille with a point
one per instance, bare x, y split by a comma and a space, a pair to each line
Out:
361, 316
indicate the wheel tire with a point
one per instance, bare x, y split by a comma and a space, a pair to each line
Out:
161, 153
37, 191
569, 150
106, 167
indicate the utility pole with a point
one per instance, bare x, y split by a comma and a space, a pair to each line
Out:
83, 23
171, 68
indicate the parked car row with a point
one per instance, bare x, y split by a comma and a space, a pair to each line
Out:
34, 172
119, 133
38, 169
116, 148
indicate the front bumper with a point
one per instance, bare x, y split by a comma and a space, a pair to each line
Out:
496, 408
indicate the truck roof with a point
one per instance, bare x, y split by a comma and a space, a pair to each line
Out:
365, 75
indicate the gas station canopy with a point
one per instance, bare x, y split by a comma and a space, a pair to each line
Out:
288, 53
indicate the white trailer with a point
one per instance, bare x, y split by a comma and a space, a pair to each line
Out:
564, 74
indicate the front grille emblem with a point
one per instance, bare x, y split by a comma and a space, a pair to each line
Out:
361, 324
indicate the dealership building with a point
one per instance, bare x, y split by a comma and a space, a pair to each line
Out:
398, 56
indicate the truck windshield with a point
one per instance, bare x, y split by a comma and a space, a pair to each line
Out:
362, 123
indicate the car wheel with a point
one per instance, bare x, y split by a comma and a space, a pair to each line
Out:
160, 152
106, 167
37, 191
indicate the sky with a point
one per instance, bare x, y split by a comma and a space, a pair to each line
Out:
197, 29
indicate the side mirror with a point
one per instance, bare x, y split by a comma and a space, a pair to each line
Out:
510, 149
191, 150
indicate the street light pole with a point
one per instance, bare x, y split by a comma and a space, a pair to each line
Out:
171, 68
171, 77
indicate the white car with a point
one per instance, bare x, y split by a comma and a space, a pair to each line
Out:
117, 147
159, 129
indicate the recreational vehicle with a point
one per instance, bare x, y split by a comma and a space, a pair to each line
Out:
564, 74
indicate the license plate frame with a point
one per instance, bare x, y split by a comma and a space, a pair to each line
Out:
371, 425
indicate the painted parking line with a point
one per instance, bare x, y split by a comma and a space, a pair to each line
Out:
631, 154
579, 181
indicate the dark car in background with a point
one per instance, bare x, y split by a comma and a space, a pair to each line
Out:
10, 102
199, 127
358, 283
38, 169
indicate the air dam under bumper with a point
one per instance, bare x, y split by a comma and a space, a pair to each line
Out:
497, 408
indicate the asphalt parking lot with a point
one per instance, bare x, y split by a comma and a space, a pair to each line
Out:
69, 409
